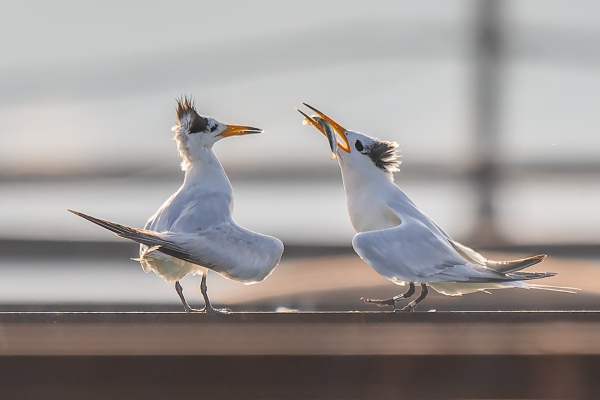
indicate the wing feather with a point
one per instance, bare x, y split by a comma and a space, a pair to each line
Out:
408, 252
147, 238
499, 266
228, 249
412, 252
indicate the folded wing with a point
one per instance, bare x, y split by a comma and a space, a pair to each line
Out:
412, 252
476, 258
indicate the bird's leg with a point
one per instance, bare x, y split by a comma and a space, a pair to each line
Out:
413, 304
392, 301
208, 308
186, 306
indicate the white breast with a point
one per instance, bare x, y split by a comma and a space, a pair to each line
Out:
369, 213
368, 194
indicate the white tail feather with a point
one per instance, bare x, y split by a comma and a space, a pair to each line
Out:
561, 289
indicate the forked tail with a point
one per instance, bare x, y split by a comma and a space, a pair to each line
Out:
146, 237
561, 289
515, 265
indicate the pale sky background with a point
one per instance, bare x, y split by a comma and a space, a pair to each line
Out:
87, 86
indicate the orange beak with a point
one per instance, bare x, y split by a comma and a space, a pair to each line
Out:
239, 130
341, 137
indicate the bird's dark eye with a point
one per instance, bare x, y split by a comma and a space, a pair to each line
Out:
214, 128
359, 145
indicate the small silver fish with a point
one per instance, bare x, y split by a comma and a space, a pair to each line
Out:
333, 144
324, 126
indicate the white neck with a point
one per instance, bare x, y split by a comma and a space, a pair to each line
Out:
206, 170
368, 195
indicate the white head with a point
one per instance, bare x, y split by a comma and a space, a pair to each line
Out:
357, 151
195, 134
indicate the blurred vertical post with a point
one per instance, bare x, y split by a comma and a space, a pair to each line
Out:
488, 69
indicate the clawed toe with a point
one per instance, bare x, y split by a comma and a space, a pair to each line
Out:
379, 302
194, 310
221, 311
209, 310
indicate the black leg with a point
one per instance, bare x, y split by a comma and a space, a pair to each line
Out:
393, 300
413, 304
204, 291
207, 306
186, 306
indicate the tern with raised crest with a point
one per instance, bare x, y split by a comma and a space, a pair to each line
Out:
397, 239
193, 232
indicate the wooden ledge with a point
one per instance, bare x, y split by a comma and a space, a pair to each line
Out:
344, 317
341, 334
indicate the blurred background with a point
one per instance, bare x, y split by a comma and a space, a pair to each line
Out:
494, 104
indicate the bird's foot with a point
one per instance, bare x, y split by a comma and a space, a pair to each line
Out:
410, 307
219, 311
189, 309
380, 302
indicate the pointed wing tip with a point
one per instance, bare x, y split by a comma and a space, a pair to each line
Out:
79, 214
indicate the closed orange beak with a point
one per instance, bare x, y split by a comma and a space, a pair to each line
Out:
239, 130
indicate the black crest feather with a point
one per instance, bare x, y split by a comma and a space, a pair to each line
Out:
188, 118
384, 155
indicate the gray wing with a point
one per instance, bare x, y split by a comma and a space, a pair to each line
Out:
412, 252
471, 255
228, 249
406, 253
237, 253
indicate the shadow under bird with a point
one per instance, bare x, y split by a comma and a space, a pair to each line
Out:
398, 240
193, 231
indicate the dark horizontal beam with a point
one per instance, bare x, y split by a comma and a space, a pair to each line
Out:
278, 334
300, 377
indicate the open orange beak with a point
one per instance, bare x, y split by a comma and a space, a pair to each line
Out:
239, 130
338, 129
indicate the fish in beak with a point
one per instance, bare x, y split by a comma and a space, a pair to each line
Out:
333, 131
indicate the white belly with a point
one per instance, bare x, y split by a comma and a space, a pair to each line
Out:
169, 268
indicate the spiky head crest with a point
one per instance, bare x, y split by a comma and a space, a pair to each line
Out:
384, 155
187, 117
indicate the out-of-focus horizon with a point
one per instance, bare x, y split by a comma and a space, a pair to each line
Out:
494, 104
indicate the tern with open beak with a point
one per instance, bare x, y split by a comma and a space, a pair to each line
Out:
400, 242
193, 231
